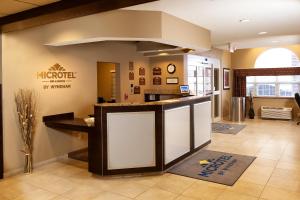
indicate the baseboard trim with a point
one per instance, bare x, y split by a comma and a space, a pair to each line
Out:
35, 165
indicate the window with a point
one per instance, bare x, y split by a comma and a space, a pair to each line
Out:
277, 57
273, 86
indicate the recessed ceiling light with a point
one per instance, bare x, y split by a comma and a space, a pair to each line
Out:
244, 20
262, 33
163, 54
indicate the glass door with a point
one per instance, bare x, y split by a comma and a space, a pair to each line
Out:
204, 79
196, 80
208, 79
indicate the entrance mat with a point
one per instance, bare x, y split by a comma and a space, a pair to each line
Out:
214, 166
227, 128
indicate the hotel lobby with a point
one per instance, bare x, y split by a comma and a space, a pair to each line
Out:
150, 100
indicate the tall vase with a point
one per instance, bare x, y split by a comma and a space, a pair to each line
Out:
251, 112
28, 163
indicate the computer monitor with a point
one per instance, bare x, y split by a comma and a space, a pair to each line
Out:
184, 89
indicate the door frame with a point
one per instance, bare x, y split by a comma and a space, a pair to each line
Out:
118, 78
217, 65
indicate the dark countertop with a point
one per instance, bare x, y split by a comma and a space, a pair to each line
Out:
67, 121
163, 102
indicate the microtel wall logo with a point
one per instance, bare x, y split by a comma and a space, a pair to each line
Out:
56, 77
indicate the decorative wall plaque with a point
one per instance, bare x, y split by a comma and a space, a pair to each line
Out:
137, 90
131, 66
142, 71
172, 80
156, 71
142, 81
131, 76
156, 81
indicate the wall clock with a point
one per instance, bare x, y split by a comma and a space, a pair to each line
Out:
171, 68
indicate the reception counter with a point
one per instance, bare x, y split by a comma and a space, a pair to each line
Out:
147, 137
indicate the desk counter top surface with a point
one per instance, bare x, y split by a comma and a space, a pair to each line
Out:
153, 103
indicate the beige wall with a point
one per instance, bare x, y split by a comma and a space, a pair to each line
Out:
23, 56
226, 94
184, 33
112, 24
163, 62
128, 25
245, 58
281, 102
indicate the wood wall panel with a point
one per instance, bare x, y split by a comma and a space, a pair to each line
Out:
62, 10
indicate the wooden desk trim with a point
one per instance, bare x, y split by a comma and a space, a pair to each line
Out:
101, 129
97, 135
64, 121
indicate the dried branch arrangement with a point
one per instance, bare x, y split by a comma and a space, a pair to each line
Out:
26, 110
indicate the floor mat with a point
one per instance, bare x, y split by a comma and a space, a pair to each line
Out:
227, 128
214, 166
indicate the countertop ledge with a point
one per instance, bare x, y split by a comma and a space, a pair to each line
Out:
163, 102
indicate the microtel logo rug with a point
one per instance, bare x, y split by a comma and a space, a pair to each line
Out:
217, 166
56, 77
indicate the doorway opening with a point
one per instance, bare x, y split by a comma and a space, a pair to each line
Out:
108, 82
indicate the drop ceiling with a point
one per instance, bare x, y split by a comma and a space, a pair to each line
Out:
8, 7
279, 18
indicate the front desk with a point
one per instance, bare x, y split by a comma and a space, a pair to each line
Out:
148, 137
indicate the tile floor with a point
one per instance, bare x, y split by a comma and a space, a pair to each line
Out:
274, 175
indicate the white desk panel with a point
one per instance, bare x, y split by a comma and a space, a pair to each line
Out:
131, 139
177, 133
202, 123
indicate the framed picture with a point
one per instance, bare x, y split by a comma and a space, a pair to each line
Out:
156, 81
142, 71
156, 71
131, 76
226, 79
131, 66
172, 80
137, 90
142, 81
